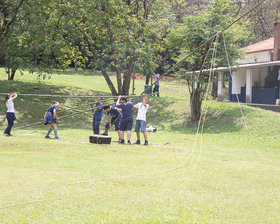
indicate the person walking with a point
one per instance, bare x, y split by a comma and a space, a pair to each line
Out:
10, 114
51, 118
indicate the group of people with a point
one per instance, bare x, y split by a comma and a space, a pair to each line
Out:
49, 118
120, 115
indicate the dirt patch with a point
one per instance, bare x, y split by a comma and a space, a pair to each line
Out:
10, 145
39, 149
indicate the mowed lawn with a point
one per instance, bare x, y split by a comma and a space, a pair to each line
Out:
228, 174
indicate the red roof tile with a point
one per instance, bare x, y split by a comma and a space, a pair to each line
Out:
264, 45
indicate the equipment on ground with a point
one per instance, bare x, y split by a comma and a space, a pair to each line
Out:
100, 139
151, 129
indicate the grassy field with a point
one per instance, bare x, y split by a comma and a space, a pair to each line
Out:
228, 174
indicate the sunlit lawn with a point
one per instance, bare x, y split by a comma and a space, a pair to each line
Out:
230, 174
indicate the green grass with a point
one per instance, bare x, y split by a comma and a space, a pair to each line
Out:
231, 175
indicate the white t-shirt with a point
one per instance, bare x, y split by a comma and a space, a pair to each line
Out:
142, 110
10, 106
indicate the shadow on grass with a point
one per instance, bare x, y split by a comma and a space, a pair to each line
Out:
224, 118
31, 109
163, 112
81, 73
158, 114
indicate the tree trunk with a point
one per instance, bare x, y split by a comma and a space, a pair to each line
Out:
109, 82
105, 74
127, 77
11, 74
195, 105
214, 87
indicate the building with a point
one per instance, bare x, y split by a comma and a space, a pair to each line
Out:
255, 79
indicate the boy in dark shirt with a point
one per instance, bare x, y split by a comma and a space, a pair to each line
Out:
126, 119
97, 116
114, 117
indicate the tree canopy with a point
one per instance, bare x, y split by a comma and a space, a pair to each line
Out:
122, 36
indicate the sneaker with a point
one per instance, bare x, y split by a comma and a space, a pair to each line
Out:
47, 136
57, 137
146, 143
122, 141
137, 142
128, 142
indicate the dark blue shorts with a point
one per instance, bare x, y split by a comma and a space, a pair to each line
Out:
126, 124
49, 119
140, 124
116, 123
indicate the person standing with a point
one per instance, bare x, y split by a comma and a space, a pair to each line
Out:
126, 119
141, 119
51, 118
10, 114
156, 87
97, 116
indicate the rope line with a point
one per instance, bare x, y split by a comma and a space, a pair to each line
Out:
76, 113
178, 166
69, 96
238, 101
111, 193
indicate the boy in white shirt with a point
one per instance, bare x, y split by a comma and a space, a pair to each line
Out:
10, 115
141, 119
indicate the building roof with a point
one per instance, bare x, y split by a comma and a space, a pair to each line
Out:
265, 45
236, 67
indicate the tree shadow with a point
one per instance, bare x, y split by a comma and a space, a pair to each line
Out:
159, 113
218, 119
164, 113
31, 109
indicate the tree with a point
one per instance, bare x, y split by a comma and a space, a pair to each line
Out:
9, 13
113, 34
33, 36
189, 37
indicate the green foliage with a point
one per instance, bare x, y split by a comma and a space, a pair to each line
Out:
35, 37
200, 29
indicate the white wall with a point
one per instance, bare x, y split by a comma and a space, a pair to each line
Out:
263, 56
238, 80
262, 75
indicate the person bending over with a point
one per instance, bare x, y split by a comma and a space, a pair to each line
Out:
114, 118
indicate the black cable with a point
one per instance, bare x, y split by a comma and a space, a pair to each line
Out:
178, 63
